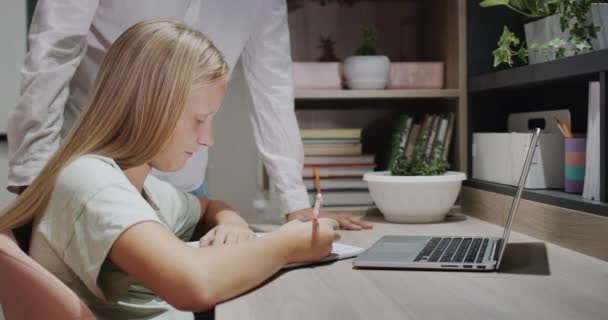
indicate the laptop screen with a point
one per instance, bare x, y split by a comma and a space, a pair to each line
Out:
520, 187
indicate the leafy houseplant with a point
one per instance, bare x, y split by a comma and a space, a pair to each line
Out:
368, 47
416, 190
420, 164
367, 69
574, 22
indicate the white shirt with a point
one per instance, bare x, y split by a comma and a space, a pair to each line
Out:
92, 204
68, 39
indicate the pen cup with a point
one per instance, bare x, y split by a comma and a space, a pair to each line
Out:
575, 164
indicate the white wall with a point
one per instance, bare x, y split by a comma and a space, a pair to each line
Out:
12, 36
5, 196
13, 39
233, 160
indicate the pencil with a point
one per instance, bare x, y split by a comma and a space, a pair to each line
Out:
559, 126
568, 131
317, 179
318, 197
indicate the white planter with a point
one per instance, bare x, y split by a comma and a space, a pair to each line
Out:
414, 199
366, 72
542, 31
599, 15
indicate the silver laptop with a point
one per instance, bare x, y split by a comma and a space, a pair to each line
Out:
446, 252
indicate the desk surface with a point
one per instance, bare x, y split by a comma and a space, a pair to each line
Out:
538, 281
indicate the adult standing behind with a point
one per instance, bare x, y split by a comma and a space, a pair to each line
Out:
69, 38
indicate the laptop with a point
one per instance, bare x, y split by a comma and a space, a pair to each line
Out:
474, 253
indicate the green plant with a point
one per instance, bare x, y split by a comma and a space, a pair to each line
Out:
420, 164
574, 19
368, 47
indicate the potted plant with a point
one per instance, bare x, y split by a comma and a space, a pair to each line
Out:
367, 69
555, 29
417, 188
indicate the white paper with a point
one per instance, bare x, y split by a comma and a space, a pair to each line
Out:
339, 251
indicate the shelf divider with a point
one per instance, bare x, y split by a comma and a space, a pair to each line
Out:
302, 94
576, 66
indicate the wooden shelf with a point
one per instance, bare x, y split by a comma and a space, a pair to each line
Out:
579, 66
549, 196
376, 94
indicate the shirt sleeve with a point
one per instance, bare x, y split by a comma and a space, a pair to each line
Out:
267, 69
57, 43
180, 210
92, 204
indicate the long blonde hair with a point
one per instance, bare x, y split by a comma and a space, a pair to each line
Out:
139, 94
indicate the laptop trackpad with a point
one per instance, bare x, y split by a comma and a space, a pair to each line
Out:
398, 248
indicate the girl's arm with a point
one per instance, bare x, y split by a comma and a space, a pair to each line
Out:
219, 224
198, 278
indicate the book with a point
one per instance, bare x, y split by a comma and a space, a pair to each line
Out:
333, 184
439, 139
356, 159
333, 133
330, 141
448, 135
399, 140
423, 135
431, 138
333, 171
411, 141
344, 198
339, 251
333, 149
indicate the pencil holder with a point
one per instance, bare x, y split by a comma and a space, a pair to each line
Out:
575, 164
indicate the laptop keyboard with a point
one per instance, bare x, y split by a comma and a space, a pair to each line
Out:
454, 249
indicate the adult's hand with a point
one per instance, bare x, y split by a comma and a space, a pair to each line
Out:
346, 221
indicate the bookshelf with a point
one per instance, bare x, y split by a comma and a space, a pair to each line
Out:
493, 93
407, 30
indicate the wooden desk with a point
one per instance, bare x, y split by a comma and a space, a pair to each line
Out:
539, 281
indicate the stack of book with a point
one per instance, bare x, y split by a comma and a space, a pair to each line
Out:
439, 129
337, 153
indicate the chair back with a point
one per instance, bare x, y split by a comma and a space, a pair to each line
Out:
28, 291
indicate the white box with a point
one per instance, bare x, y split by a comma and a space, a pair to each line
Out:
499, 157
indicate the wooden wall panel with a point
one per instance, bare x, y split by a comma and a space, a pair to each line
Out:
576, 230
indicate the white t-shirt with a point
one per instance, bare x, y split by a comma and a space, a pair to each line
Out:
92, 203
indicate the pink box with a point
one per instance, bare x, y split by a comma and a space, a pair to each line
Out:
317, 75
416, 75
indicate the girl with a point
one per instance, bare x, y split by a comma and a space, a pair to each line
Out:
114, 234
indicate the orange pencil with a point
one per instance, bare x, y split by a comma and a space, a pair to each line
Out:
559, 126
317, 206
318, 197
317, 179
568, 131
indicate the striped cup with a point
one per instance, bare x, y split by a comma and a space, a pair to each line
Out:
575, 164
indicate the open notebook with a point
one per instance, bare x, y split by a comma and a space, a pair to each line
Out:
339, 251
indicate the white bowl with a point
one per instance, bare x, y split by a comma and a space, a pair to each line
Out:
414, 199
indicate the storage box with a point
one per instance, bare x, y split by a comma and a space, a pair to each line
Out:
416, 75
317, 75
499, 157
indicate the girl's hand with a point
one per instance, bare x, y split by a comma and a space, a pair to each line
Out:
227, 234
304, 247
